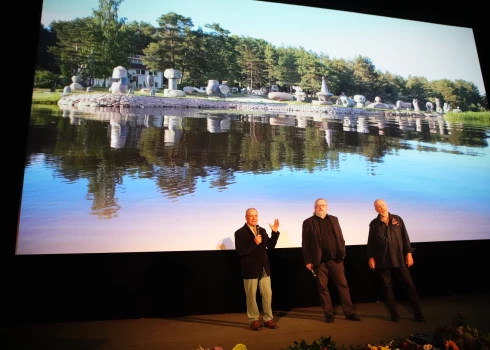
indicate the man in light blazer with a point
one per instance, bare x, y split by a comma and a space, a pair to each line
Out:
324, 252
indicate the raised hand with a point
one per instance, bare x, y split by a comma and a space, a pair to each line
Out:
275, 227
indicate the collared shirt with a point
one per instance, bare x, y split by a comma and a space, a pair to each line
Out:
254, 229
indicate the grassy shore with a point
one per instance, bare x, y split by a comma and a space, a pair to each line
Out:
44, 96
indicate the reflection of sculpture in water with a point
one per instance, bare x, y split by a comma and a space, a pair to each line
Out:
119, 131
362, 125
441, 125
349, 123
418, 124
74, 120
218, 124
213, 124
173, 129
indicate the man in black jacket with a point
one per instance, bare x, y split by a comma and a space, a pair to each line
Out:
251, 244
324, 252
390, 253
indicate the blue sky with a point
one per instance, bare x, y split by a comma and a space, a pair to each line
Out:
399, 46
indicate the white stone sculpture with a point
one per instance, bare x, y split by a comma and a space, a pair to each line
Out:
403, 105
324, 95
416, 105
360, 100
119, 81
377, 104
215, 88
173, 75
346, 101
430, 106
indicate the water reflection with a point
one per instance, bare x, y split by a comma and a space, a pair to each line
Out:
121, 159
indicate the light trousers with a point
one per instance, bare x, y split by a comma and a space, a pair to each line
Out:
264, 284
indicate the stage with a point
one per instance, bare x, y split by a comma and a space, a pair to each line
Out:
227, 330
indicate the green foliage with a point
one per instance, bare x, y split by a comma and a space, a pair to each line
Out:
92, 46
45, 98
45, 79
479, 118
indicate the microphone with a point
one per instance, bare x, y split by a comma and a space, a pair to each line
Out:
258, 229
313, 273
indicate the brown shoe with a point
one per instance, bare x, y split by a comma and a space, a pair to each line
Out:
271, 324
255, 326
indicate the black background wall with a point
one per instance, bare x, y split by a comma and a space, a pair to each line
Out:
48, 288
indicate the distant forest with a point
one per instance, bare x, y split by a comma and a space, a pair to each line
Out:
92, 46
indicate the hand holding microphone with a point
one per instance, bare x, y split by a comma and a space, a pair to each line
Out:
258, 237
310, 267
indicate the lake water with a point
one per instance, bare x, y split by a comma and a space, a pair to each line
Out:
172, 180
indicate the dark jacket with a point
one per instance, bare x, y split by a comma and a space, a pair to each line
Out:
253, 257
312, 252
378, 245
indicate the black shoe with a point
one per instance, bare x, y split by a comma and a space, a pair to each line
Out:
395, 317
419, 317
353, 317
329, 318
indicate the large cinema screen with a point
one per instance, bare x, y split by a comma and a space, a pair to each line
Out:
180, 178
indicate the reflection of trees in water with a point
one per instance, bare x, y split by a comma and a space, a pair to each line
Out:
102, 190
177, 152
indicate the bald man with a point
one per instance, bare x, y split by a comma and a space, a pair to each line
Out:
390, 253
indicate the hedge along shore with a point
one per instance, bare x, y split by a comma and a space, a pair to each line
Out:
249, 105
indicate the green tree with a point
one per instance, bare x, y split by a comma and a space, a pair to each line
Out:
142, 34
76, 41
170, 37
287, 69
309, 70
251, 62
365, 75
113, 40
221, 57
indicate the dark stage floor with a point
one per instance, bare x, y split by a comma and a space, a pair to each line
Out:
227, 330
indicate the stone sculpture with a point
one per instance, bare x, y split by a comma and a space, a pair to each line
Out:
299, 94
173, 75
280, 96
150, 81
377, 104
324, 95
346, 101
215, 88
403, 105
360, 100
447, 107
119, 81
438, 106
416, 105
429, 106
75, 85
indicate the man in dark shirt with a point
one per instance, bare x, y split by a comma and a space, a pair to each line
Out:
390, 253
324, 252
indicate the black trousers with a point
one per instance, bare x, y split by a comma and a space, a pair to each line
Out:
402, 274
335, 272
